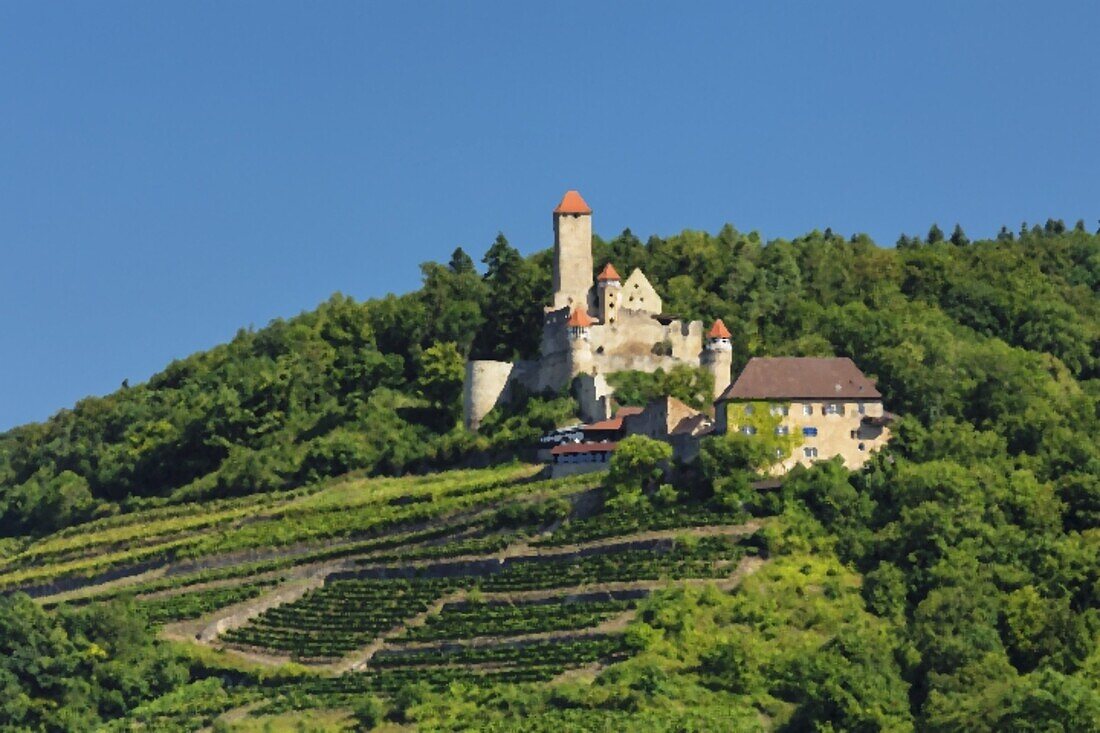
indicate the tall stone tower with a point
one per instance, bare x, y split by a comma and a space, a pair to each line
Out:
717, 357
572, 279
610, 288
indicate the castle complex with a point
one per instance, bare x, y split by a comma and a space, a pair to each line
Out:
594, 327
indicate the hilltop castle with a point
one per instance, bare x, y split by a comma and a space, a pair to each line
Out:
594, 327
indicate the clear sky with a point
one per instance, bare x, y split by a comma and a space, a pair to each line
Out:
170, 172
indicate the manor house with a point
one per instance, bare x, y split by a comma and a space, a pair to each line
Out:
594, 327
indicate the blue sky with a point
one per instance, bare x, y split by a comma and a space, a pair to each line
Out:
171, 172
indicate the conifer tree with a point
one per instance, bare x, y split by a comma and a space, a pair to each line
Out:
958, 237
935, 234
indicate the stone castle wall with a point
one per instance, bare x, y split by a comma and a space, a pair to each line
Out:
635, 342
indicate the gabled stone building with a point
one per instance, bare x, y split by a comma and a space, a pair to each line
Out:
595, 326
827, 404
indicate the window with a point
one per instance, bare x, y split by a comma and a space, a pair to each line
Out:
862, 409
780, 410
853, 434
809, 432
748, 409
748, 430
862, 446
778, 452
782, 430
832, 409
807, 409
810, 452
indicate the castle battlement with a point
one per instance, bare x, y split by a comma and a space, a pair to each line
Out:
595, 325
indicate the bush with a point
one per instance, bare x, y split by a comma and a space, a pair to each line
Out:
637, 466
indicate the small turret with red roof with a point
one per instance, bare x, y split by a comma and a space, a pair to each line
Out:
718, 337
609, 286
608, 275
578, 323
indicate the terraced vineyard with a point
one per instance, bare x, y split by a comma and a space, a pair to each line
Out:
711, 557
373, 585
182, 606
284, 525
466, 620
592, 528
339, 617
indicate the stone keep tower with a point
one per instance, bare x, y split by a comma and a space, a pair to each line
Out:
572, 278
717, 357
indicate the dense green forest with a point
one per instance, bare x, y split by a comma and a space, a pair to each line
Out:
961, 568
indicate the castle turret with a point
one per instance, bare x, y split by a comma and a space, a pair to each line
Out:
610, 288
578, 324
717, 356
580, 349
572, 276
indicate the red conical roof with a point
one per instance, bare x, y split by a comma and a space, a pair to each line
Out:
572, 203
719, 331
608, 273
579, 319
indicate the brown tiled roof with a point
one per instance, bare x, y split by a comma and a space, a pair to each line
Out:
608, 273
579, 319
572, 203
799, 377
571, 448
614, 423
719, 331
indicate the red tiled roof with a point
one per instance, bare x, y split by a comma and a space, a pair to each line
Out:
579, 319
798, 377
572, 203
609, 273
614, 423
719, 331
572, 448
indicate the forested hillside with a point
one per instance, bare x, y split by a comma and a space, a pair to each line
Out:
954, 584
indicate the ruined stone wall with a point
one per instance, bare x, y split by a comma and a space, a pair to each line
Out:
593, 396
637, 341
486, 386
686, 339
491, 383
